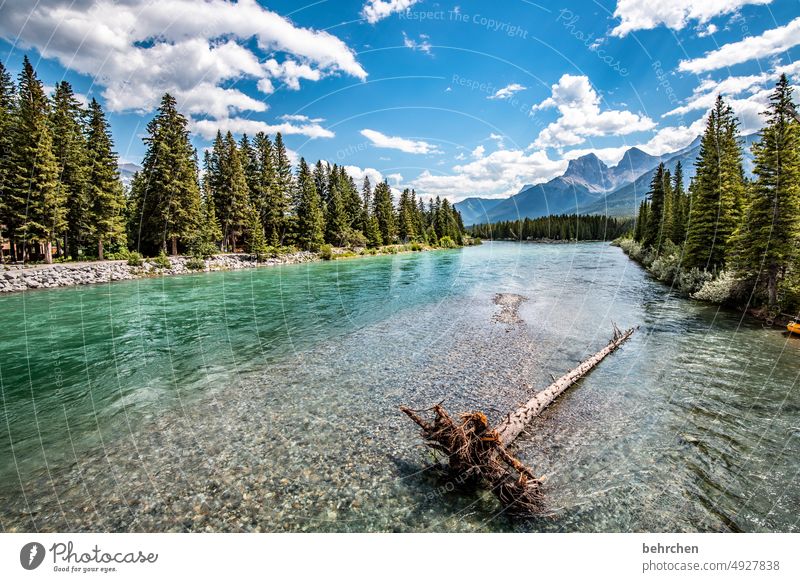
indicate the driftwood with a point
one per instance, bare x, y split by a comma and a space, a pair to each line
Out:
477, 453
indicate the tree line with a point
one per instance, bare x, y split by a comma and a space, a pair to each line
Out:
745, 231
563, 227
59, 183
61, 194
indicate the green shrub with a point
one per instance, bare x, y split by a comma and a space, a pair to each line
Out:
416, 247
196, 264
693, 280
326, 252
447, 243
723, 289
161, 261
135, 259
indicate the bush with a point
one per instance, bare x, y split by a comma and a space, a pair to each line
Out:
416, 247
725, 288
693, 280
196, 264
326, 252
161, 261
123, 254
135, 259
447, 243
204, 250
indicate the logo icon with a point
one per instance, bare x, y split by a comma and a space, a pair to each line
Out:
31, 555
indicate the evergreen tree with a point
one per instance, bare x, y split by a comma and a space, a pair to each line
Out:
278, 226
718, 191
105, 201
768, 241
310, 222
384, 213
653, 231
6, 124
677, 224
231, 193
336, 219
166, 199
38, 209
70, 149
209, 236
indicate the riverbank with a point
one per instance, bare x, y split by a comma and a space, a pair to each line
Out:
720, 289
17, 278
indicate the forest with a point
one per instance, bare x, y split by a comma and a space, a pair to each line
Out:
728, 238
61, 197
564, 227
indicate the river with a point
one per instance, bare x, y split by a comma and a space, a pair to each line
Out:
267, 399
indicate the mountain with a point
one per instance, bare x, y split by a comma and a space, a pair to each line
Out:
625, 200
633, 164
589, 171
589, 186
474, 210
559, 195
126, 172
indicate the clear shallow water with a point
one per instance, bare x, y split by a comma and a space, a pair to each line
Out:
267, 399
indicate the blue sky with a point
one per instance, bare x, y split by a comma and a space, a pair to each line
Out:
454, 98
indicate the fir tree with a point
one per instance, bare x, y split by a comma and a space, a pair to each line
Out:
70, 149
38, 209
768, 240
652, 235
384, 213
6, 124
105, 201
278, 225
718, 191
167, 195
310, 222
679, 215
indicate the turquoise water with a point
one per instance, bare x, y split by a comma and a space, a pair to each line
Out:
266, 400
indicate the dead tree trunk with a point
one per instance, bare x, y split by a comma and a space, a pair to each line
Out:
477, 453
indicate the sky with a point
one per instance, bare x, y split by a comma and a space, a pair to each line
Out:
453, 98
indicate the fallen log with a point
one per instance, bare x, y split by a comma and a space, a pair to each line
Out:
477, 454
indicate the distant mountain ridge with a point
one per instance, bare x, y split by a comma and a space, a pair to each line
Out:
589, 186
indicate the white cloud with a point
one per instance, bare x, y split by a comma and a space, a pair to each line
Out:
767, 44
422, 45
396, 178
137, 51
399, 143
238, 125
478, 152
500, 174
707, 31
301, 118
507, 91
706, 92
580, 115
375, 10
675, 14
358, 174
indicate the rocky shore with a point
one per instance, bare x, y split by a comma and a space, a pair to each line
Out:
18, 278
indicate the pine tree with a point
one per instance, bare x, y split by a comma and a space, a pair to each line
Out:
232, 194
384, 213
281, 204
767, 243
6, 123
310, 221
166, 199
336, 219
37, 203
718, 191
69, 147
209, 235
677, 224
653, 232
104, 197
